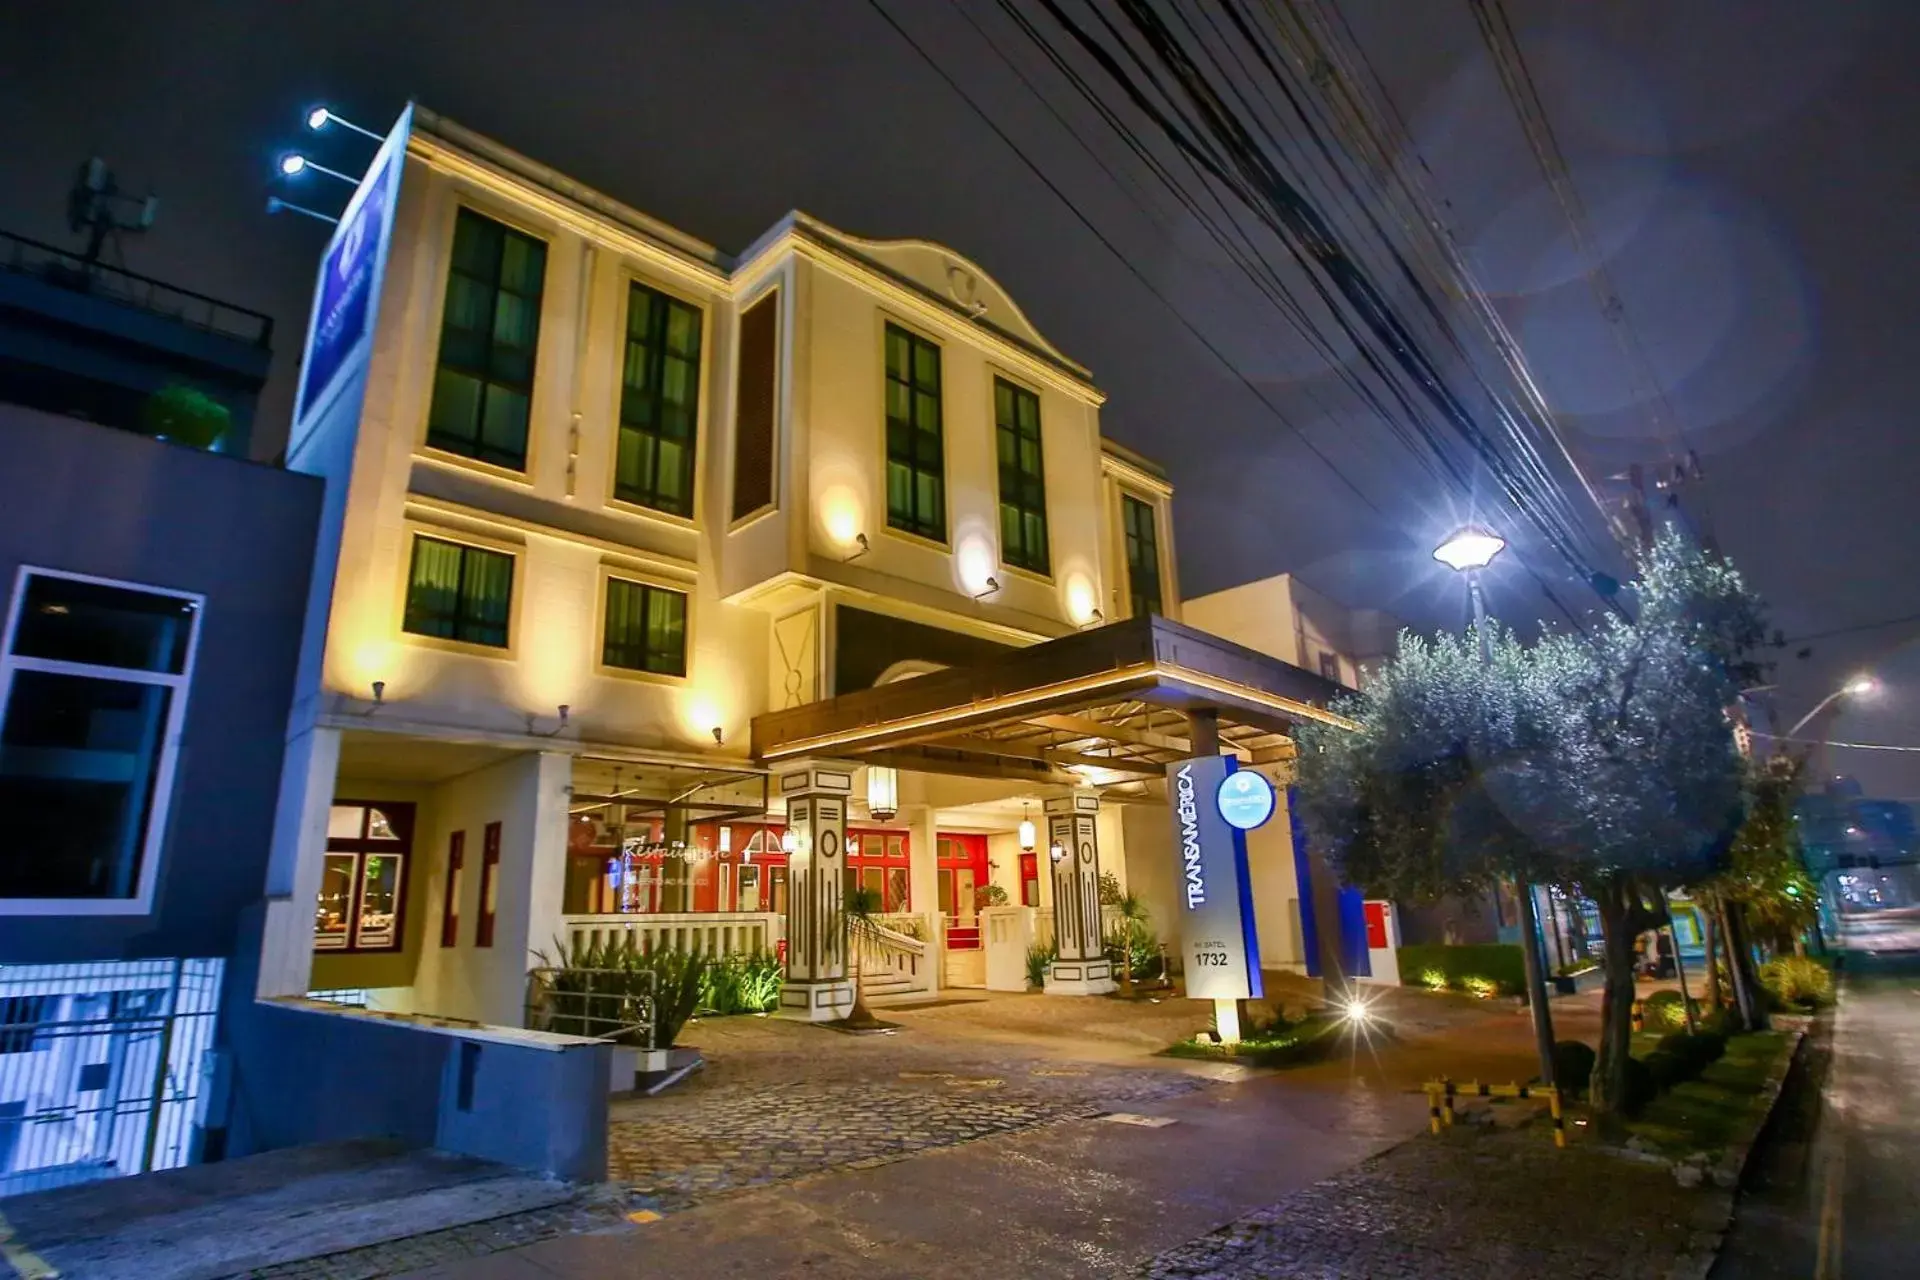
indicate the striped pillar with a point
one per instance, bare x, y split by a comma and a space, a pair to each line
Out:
1080, 968
817, 988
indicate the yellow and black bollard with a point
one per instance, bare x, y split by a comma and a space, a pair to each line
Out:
1441, 1093
1639, 1017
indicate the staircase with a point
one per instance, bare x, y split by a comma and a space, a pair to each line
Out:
894, 966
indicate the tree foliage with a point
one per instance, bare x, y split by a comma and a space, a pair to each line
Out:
1766, 871
1603, 760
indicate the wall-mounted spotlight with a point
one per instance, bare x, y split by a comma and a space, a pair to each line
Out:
1094, 619
719, 736
319, 118
293, 164
860, 540
992, 587
276, 205
558, 729
379, 698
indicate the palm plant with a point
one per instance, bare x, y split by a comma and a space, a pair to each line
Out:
858, 910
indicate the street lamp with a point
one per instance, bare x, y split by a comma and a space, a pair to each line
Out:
1468, 550
1860, 686
293, 164
319, 118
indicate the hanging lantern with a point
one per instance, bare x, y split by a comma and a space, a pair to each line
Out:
1028, 837
726, 839
883, 792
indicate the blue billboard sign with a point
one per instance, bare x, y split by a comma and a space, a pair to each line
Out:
347, 274
1215, 893
1245, 799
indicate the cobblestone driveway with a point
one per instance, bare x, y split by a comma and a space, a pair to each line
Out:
1465, 1207
782, 1101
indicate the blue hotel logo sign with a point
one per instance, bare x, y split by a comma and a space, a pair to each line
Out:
347, 279
1218, 942
1245, 800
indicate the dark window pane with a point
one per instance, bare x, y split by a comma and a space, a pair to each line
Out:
1143, 555
659, 402
489, 331
458, 592
70, 621
916, 464
1023, 495
79, 761
646, 628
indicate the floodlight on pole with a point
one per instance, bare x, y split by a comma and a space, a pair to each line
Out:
1469, 548
293, 164
1860, 686
276, 205
320, 117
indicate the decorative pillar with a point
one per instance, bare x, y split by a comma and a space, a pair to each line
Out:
817, 988
1080, 968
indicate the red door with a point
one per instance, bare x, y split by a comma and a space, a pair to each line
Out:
962, 868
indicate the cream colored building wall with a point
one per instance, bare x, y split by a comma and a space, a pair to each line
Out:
559, 520
842, 417
1258, 615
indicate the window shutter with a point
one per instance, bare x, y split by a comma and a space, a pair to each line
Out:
755, 407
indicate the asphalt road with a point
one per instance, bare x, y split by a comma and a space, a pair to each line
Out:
1833, 1192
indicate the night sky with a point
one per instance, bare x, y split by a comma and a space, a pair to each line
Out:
1747, 167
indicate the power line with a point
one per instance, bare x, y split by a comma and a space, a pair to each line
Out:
1858, 626
1123, 259
1829, 742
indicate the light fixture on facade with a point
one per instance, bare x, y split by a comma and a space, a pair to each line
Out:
1028, 837
861, 548
379, 698
883, 792
991, 587
789, 842
319, 118
293, 164
1058, 852
726, 839
719, 736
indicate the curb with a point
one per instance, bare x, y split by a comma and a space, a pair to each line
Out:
1726, 1175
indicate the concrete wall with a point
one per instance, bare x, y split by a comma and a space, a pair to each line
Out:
108, 503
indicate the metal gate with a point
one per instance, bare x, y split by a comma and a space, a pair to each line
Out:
100, 1067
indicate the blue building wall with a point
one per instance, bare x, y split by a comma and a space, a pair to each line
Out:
93, 500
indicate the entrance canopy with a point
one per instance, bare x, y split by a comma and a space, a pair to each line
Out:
1110, 707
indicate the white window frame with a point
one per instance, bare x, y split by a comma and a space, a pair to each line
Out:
141, 903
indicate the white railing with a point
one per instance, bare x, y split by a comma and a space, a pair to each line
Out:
888, 955
707, 933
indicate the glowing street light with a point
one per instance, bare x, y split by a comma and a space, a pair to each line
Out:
1861, 686
1469, 548
319, 118
293, 164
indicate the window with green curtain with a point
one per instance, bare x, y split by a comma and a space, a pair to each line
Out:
1023, 483
646, 628
458, 592
483, 387
659, 402
1143, 555
916, 458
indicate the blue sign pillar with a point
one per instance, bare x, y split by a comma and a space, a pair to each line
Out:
1215, 893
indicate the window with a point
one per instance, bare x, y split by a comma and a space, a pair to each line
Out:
659, 403
879, 860
1329, 666
93, 691
458, 592
1023, 486
756, 406
489, 884
450, 906
916, 457
20, 1019
646, 629
483, 388
363, 879
1143, 555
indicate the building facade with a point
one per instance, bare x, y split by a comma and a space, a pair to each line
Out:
152, 601
664, 594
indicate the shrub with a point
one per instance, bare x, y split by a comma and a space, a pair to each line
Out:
1641, 1087
679, 978
1572, 1066
1039, 960
989, 895
1495, 967
1131, 946
1664, 1011
1796, 982
1667, 1069
185, 415
744, 984
1695, 1053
